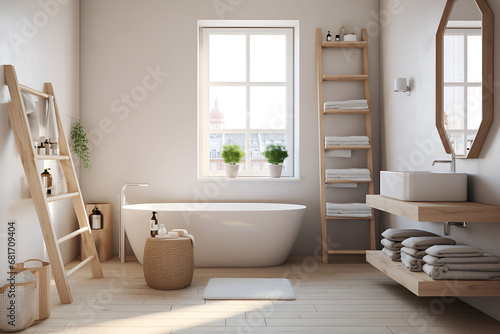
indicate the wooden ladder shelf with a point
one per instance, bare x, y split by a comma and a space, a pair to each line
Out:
363, 78
26, 150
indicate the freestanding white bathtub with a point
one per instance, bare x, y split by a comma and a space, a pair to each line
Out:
226, 234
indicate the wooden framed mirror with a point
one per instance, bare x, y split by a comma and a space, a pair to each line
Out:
464, 76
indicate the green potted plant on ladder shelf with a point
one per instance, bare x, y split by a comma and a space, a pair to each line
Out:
232, 155
275, 155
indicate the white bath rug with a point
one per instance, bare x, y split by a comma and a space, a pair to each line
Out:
249, 288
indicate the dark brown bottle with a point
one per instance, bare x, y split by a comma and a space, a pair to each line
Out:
153, 225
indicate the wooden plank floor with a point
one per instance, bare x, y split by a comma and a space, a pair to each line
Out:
345, 297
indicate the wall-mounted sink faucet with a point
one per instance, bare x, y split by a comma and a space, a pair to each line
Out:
448, 224
452, 162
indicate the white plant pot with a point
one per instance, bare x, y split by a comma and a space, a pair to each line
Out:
232, 171
275, 170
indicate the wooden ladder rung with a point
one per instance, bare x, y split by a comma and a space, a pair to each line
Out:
33, 91
72, 235
346, 111
350, 77
345, 45
52, 157
79, 266
348, 251
347, 147
54, 198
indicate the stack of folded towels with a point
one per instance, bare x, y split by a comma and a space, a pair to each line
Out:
348, 140
348, 174
348, 210
393, 238
413, 250
351, 104
460, 262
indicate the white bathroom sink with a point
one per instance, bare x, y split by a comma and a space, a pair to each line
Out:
424, 186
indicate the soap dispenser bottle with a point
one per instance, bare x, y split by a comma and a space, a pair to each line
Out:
46, 179
342, 33
153, 229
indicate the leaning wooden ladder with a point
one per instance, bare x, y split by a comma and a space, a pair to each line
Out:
20, 127
364, 78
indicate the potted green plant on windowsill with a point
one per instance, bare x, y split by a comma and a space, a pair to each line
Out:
232, 155
275, 155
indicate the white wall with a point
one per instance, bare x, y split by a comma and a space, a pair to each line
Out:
408, 130
156, 141
43, 44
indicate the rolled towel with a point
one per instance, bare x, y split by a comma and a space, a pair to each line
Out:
394, 255
439, 261
392, 245
454, 251
395, 234
422, 243
438, 273
419, 254
411, 262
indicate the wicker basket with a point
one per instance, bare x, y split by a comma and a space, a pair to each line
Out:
24, 303
168, 263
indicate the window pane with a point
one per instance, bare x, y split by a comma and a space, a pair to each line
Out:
454, 107
267, 58
474, 108
227, 106
457, 142
268, 108
454, 58
217, 140
227, 58
474, 58
258, 143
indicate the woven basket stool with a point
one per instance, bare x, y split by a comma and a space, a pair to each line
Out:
168, 263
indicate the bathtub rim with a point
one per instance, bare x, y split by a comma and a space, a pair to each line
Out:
203, 207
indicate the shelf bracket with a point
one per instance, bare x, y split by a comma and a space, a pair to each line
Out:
448, 224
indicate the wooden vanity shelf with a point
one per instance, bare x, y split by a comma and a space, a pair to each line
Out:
423, 286
436, 212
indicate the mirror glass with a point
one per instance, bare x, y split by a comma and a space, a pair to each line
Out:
462, 66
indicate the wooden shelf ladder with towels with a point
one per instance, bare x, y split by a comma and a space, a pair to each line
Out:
363, 78
22, 134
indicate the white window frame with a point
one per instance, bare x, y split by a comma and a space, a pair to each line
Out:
206, 27
462, 30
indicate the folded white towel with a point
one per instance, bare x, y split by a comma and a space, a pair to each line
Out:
347, 171
33, 116
352, 215
412, 263
392, 245
52, 131
361, 107
347, 206
439, 261
419, 254
422, 243
396, 234
454, 251
438, 273
339, 139
347, 143
394, 255
352, 212
346, 104
348, 178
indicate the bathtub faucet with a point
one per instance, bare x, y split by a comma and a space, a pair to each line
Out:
123, 202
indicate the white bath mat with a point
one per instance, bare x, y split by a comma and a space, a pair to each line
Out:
249, 288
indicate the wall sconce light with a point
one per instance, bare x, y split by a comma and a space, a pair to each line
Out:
402, 85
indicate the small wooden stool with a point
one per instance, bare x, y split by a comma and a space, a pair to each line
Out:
168, 263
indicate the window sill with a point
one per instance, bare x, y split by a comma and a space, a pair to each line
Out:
249, 178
